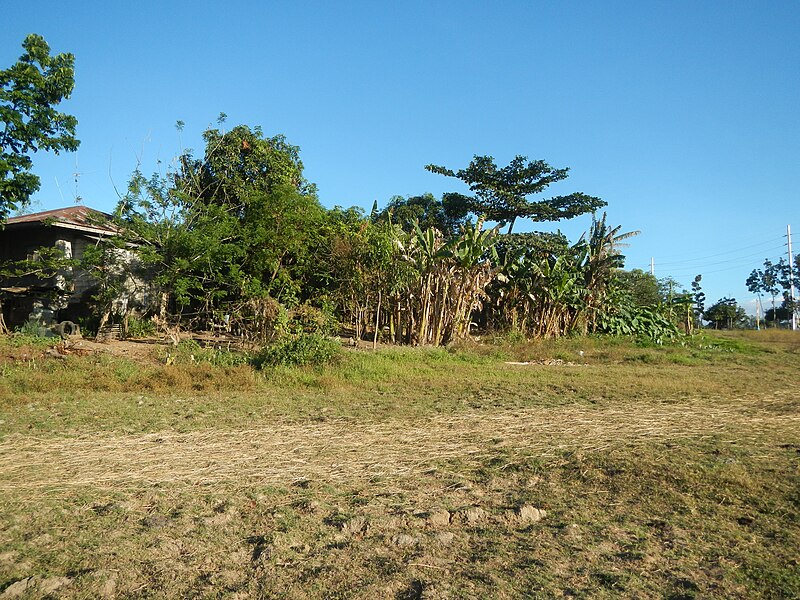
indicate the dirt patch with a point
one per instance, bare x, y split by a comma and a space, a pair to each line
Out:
138, 350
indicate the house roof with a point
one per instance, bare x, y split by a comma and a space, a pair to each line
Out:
81, 218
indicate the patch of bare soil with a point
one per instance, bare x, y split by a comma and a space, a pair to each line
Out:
138, 350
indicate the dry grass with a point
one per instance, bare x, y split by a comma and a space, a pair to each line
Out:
410, 474
342, 451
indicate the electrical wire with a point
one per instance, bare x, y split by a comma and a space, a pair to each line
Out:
739, 249
740, 260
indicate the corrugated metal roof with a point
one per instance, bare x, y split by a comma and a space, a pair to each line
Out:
73, 217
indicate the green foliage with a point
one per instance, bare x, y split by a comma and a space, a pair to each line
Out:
306, 318
139, 328
500, 194
699, 300
240, 224
449, 282
33, 330
239, 162
553, 289
725, 314
305, 349
772, 280
425, 210
362, 268
29, 92
642, 286
190, 352
240, 234
45, 263
622, 316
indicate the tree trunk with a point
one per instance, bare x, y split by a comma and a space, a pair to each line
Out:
103, 320
377, 323
3, 326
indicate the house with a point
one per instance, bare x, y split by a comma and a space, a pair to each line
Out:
64, 296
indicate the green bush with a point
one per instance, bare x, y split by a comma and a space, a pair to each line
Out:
305, 349
139, 328
34, 329
646, 323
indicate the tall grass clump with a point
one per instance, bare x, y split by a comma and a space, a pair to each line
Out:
191, 352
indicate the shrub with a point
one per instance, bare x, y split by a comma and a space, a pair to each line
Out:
305, 349
33, 329
646, 323
139, 328
310, 319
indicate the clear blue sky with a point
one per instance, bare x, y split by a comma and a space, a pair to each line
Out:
683, 116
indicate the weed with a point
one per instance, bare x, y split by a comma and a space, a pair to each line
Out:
190, 352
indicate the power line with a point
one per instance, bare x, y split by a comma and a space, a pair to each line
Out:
739, 249
741, 260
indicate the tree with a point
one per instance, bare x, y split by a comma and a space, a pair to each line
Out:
766, 281
235, 229
239, 162
425, 210
29, 92
642, 286
500, 194
781, 314
725, 314
699, 298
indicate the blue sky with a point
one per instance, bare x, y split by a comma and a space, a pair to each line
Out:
683, 116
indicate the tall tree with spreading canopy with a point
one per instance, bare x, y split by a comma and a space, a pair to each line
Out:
235, 227
501, 194
239, 162
29, 92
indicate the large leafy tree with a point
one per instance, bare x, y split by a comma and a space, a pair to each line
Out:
642, 286
501, 194
425, 210
237, 225
29, 92
725, 314
766, 281
239, 162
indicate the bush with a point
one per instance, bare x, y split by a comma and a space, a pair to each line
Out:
305, 349
139, 328
310, 319
34, 329
622, 316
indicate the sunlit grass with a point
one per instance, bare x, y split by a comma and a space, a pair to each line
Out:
663, 472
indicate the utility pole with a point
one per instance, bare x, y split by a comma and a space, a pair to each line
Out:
758, 315
791, 276
652, 266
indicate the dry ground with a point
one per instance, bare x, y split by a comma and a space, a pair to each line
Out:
662, 496
342, 452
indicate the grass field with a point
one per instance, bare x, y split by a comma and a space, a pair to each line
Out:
599, 469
